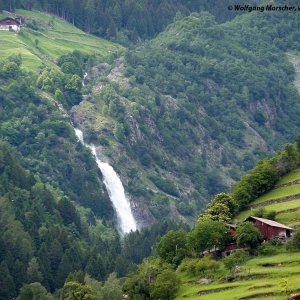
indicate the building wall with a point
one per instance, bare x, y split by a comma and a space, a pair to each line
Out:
268, 231
13, 27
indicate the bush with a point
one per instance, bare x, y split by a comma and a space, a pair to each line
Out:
263, 213
235, 259
294, 243
267, 249
271, 215
33, 25
165, 286
276, 242
165, 185
248, 235
260, 117
203, 266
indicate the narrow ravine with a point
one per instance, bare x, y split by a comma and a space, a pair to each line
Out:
115, 189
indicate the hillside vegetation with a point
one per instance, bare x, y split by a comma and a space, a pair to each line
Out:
57, 222
124, 21
284, 198
44, 38
266, 270
180, 117
184, 115
273, 277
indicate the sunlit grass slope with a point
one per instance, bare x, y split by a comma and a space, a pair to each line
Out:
284, 199
264, 277
260, 278
54, 38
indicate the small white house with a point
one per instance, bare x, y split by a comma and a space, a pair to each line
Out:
10, 24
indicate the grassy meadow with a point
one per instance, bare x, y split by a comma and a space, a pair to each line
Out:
53, 38
273, 277
287, 210
260, 278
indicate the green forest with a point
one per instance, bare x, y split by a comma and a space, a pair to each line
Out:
46, 236
194, 106
124, 21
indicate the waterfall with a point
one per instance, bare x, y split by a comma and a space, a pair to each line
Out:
84, 77
115, 190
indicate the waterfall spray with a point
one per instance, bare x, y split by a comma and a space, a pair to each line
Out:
115, 190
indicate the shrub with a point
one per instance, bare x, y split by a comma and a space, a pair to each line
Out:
276, 242
294, 243
267, 249
263, 213
33, 25
271, 215
205, 265
235, 259
165, 185
165, 286
248, 235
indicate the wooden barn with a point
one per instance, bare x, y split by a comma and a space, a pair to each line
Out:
271, 229
10, 24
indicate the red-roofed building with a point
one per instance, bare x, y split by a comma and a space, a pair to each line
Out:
10, 24
271, 229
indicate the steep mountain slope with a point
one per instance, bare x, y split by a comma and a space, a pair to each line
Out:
184, 115
258, 269
55, 213
30, 118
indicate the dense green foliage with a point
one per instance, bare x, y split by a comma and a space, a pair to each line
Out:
204, 65
34, 291
211, 233
44, 237
248, 235
186, 110
252, 185
152, 280
198, 106
235, 259
263, 177
294, 243
207, 235
196, 266
172, 247
122, 20
45, 138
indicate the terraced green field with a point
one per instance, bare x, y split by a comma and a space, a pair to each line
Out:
284, 199
50, 41
260, 278
263, 277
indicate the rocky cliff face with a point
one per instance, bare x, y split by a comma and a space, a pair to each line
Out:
183, 116
149, 201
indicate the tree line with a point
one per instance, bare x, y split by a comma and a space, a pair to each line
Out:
122, 20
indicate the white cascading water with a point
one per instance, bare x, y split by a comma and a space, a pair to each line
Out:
84, 76
115, 190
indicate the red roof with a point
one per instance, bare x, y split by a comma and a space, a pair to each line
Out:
270, 222
9, 22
